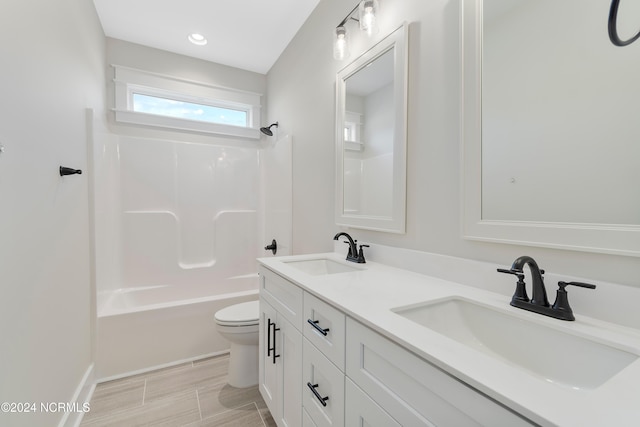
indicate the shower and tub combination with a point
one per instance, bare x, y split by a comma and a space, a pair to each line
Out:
178, 230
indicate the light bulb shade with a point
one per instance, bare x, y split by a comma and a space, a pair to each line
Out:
367, 11
340, 43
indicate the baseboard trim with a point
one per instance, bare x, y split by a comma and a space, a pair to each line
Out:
162, 366
82, 395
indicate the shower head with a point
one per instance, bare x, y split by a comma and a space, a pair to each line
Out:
267, 130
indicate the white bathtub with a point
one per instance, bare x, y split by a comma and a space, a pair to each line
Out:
141, 329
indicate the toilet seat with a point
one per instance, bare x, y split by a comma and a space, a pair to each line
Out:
243, 314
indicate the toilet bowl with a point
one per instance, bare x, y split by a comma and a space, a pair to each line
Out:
239, 324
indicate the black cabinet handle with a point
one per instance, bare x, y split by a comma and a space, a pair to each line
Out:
314, 323
322, 400
269, 337
274, 355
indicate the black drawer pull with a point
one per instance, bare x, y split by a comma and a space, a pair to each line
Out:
274, 355
323, 400
269, 338
314, 323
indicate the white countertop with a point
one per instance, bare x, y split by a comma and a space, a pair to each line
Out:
369, 294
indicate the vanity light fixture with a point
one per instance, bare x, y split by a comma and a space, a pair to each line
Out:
367, 10
341, 44
197, 39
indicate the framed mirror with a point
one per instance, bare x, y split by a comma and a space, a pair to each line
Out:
371, 137
551, 144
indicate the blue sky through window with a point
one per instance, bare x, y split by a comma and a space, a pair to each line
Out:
188, 110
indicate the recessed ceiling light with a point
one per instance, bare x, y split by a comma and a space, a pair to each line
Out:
197, 39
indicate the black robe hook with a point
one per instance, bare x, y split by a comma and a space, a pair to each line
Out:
68, 171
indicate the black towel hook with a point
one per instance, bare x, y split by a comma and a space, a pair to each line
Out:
69, 171
613, 26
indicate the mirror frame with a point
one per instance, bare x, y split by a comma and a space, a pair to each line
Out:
397, 40
599, 238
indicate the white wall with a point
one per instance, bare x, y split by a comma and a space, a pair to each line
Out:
302, 97
52, 70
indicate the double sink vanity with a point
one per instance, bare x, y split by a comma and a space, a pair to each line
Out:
435, 341
346, 344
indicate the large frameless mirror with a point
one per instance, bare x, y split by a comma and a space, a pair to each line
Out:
551, 137
371, 104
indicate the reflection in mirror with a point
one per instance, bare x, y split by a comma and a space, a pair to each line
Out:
371, 138
550, 133
560, 133
368, 138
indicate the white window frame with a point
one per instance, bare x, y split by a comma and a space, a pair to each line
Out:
352, 126
129, 81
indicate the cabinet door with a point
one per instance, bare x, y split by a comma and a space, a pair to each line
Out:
268, 373
306, 420
360, 410
413, 391
323, 394
289, 348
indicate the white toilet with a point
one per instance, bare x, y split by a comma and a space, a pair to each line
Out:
239, 324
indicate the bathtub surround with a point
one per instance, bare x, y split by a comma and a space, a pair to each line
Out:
182, 229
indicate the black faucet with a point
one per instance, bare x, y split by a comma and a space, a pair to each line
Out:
539, 293
353, 255
539, 303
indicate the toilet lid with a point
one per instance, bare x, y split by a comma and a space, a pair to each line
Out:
246, 313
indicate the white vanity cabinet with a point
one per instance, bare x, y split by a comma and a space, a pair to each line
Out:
414, 392
330, 370
280, 348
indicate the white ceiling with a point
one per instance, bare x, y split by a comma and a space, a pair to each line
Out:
247, 34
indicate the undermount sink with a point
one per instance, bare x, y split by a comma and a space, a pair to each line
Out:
321, 266
559, 357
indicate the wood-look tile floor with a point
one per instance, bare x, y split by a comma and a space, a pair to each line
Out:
194, 394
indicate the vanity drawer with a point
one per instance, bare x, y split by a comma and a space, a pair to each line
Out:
413, 391
283, 295
360, 410
323, 388
324, 327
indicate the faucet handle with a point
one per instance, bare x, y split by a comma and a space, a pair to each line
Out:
521, 291
562, 285
518, 273
562, 302
361, 259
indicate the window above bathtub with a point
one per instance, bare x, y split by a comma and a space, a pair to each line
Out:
151, 99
